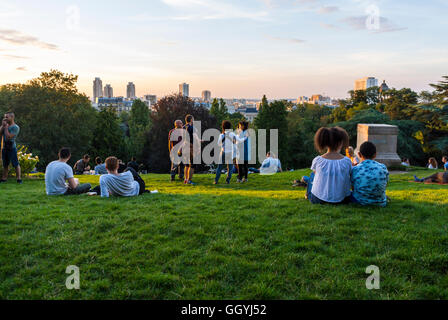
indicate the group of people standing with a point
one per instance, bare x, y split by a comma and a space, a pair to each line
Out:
228, 142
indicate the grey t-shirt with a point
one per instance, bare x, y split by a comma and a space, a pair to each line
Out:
14, 129
56, 173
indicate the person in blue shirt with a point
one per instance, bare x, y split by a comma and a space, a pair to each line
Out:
100, 167
445, 163
8, 132
369, 178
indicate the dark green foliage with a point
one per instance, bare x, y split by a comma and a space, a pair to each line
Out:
51, 114
107, 138
167, 110
139, 125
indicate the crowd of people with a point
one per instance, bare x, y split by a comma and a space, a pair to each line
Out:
335, 179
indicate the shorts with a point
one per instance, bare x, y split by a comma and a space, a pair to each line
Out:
10, 156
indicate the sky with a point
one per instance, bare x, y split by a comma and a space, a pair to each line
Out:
244, 49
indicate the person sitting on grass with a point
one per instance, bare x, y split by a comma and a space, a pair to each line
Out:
445, 163
369, 178
100, 167
82, 165
350, 152
271, 164
126, 184
58, 172
432, 163
329, 182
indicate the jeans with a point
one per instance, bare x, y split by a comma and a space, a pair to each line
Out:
177, 169
243, 170
221, 165
138, 179
82, 188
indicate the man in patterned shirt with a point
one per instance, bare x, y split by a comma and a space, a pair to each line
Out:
369, 178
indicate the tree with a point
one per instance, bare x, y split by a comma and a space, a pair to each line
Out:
51, 114
219, 111
107, 138
139, 125
441, 91
167, 110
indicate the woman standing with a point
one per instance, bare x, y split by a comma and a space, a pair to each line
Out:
244, 156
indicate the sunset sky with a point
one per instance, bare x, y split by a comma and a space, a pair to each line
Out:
281, 48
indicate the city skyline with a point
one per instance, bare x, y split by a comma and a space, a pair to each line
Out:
280, 48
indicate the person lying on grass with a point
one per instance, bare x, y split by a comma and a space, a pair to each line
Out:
58, 172
126, 184
439, 177
330, 180
369, 178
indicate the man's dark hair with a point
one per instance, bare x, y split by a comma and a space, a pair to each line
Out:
226, 125
134, 159
188, 118
367, 150
445, 157
86, 156
330, 138
64, 153
244, 124
98, 160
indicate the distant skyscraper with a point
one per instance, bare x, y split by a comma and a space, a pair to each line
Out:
206, 96
366, 83
108, 91
130, 92
184, 89
97, 89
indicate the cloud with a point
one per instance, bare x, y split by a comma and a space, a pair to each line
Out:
362, 22
21, 69
18, 38
290, 40
330, 9
11, 56
328, 26
211, 9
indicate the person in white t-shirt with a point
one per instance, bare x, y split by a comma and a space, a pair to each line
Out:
59, 178
227, 140
330, 180
270, 165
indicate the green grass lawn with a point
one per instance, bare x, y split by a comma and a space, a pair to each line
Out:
260, 240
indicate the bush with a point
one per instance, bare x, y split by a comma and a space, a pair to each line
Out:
26, 160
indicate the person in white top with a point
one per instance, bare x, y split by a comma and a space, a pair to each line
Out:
59, 178
227, 140
270, 165
432, 163
330, 180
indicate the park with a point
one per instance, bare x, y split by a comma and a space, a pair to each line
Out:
261, 240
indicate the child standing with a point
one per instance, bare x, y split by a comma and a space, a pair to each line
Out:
330, 181
369, 178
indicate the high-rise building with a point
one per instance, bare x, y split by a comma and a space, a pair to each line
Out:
184, 89
150, 99
206, 96
108, 91
366, 83
130, 91
97, 88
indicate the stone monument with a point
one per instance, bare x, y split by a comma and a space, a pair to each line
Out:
384, 137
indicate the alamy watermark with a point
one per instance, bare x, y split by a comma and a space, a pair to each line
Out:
72, 281
225, 147
373, 281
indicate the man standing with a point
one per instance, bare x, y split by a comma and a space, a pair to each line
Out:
175, 168
9, 131
190, 136
82, 165
58, 172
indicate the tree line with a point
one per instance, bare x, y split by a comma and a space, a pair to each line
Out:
52, 113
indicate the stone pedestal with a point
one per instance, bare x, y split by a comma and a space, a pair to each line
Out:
384, 137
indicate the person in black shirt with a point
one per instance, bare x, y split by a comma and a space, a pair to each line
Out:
190, 136
176, 168
133, 164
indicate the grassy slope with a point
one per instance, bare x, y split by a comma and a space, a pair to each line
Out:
261, 240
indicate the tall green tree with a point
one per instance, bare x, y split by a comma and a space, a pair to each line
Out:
139, 125
51, 114
107, 138
441, 90
219, 110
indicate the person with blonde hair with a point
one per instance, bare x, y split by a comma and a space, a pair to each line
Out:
350, 153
